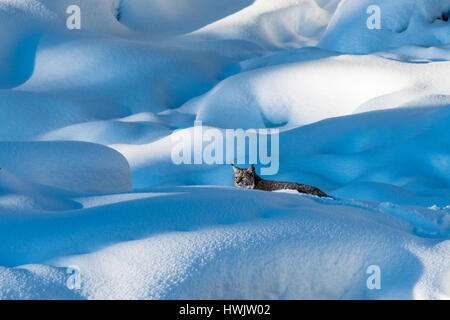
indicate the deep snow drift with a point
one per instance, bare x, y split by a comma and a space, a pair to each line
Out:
87, 119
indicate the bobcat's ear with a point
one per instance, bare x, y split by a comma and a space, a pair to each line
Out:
236, 169
251, 169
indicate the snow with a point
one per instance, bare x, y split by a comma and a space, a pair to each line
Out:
202, 253
403, 22
69, 165
87, 120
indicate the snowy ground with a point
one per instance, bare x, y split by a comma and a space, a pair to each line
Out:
92, 205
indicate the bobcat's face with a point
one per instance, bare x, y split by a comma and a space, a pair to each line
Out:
245, 178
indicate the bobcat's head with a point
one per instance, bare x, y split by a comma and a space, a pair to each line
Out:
245, 178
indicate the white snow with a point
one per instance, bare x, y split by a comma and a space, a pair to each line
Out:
86, 125
69, 165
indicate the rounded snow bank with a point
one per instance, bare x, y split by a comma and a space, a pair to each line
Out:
275, 24
172, 17
340, 25
226, 243
72, 166
19, 195
402, 22
27, 115
300, 93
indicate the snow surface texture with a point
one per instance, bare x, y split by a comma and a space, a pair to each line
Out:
86, 121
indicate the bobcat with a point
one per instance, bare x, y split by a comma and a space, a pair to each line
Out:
247, 178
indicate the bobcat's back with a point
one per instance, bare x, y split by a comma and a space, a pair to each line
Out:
269, 185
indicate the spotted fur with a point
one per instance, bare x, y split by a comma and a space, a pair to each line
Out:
248, 179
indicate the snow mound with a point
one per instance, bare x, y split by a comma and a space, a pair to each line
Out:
298, 93
28, 115
163, 18
275, 246
17, 194
160, 78
403, 22
73, 166
274, 24
395, 160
